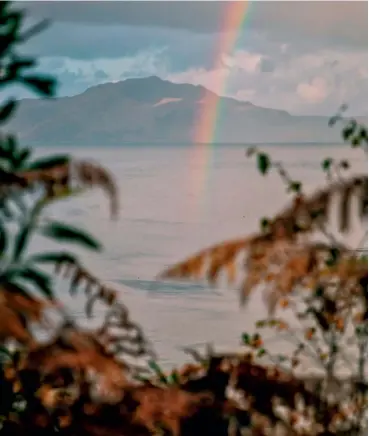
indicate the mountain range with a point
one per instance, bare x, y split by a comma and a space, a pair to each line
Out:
150, 111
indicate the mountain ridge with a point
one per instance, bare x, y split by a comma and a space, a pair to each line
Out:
153, 110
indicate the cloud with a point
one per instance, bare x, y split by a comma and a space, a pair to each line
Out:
100, 75
344, 22
317, 82
314, 91
304, 57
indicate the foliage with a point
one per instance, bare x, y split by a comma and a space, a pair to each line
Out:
28, 186
83, 382
286, 258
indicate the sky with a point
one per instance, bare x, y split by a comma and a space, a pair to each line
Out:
303, 57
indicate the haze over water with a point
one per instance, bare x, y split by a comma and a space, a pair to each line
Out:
163, 219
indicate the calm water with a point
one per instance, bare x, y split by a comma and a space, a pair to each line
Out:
175, 201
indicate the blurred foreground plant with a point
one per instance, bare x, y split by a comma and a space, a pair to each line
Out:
27, 187
319, 282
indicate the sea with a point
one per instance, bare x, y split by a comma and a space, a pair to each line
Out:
175, 201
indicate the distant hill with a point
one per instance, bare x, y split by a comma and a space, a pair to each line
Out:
151, 110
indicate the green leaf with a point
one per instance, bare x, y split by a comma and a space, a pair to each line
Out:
334, 256
264, 224
173, 378
25, 232
260, 324
53, 257
355, 142
3, 239
48, 162
5, 351
38, 278
295, 187
11, 144
319, 291
21, 240
261, 352
246, 339
65, 233
263, 163
282, 358
20, 158
348, 131
7, 109
156, 368
363, 133
327, 163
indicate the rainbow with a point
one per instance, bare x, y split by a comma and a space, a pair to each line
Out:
209, 106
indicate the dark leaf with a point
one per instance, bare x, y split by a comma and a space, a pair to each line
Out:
34, 30
157, 370
54, 257
5, 209
319, 291
174, 378
264, 224
332, 121
326, 164
4, 351
263, 163
3, 239
21, 240
23, 236
355, 142
348, 131
43, 85
18, 64
344, 164
38, 278
7, 110
334, 256
11, 144
20, 159
65, 233
246, 339
295, 187
364, 134
48, 162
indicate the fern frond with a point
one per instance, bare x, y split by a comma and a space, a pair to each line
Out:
58, 179
79, 351
17, 310
210, 262
276, 257
123, 336
310, 213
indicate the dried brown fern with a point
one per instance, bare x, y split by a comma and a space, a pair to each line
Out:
118, 332
277, 256
79, 351
311, 213
58, 179
17, 310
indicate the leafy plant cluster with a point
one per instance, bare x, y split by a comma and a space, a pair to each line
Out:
28, 186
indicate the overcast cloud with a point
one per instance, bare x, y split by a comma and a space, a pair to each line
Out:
305, 57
